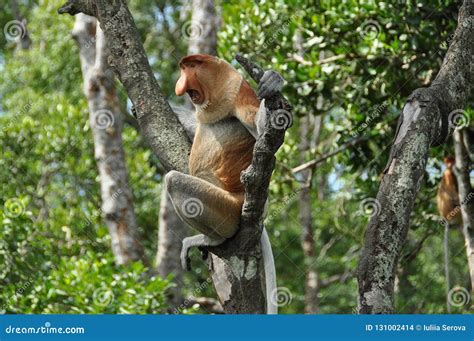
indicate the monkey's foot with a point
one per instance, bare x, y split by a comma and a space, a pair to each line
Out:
199, 240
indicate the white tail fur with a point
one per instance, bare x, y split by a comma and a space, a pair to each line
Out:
270, 274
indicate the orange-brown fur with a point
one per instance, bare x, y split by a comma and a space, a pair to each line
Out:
447, 197
232, 162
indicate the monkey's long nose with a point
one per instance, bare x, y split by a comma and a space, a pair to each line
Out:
181, 86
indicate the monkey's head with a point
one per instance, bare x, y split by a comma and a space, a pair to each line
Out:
211, 83
449, 161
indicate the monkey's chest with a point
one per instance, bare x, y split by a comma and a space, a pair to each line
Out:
220, 152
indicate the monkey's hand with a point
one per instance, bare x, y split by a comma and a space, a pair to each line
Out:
270, 84
199, 240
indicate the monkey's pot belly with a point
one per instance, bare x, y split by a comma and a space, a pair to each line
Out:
220, 152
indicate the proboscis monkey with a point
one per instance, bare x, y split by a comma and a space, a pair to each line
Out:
229, 119
448, 197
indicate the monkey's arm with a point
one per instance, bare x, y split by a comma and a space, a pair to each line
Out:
186, 118
248, 110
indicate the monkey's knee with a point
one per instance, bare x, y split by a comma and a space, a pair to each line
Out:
170, 177
173, 185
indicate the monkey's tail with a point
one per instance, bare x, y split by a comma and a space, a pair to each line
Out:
270, 274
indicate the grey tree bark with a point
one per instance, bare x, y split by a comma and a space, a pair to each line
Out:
466, 197
171, 232
203, 28
106, 123
237, 271
419, 128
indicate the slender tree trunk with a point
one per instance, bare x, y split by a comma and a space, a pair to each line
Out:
202, 31
466, 197
171, 233
106, 124
306, 220
23, 41
446, 266
308, 141
419, 128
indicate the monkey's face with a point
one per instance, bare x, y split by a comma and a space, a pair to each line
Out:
202, 78
189, 83
449, 161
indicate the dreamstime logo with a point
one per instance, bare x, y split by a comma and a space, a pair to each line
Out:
370, 29
281, 119
14, 208
192, 30
370, 118
369, 207
458, 119
281, 296
458, 296
282, 29
192, 207
282, 204
103, 297
103, 119
14, 30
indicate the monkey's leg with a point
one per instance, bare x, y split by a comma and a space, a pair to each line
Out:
205, 207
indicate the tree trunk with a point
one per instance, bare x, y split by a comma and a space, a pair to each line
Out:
171, 232
106, 124
306, 220
202, 31
466, 197
446, 266
18, 28
419, 128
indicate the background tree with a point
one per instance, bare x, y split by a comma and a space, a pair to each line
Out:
107, 123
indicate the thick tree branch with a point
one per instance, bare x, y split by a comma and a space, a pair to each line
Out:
419, 128
160, 126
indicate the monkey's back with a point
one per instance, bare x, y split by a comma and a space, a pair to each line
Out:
220, 152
